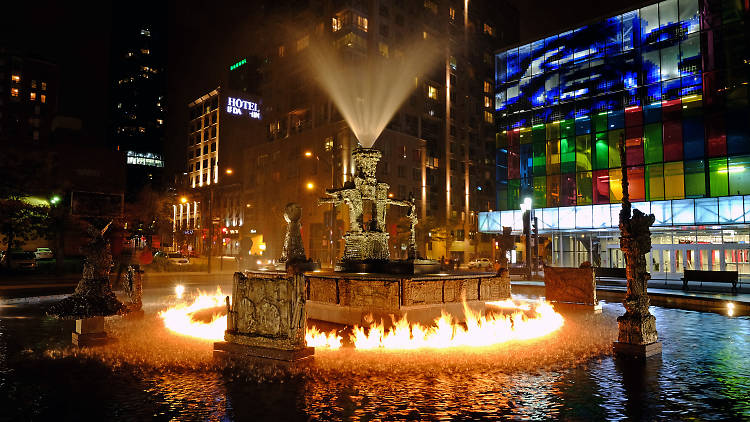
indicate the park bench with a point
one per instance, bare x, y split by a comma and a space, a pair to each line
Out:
609, 272
710, 276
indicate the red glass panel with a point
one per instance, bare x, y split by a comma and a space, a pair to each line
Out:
672, 141
514, 163
601, 186
514, 137
634, 146
633, 116
716, 136
636, 186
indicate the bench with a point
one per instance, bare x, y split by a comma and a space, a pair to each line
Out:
710, 276
609, 272
517, 271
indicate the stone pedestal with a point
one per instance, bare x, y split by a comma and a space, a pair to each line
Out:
89, 332
571, 288
266, 319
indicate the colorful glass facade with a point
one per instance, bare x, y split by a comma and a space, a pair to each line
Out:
669, 81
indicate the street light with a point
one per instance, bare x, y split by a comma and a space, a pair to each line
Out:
229, 171
54, 200
308, 154
183, 199
310, 185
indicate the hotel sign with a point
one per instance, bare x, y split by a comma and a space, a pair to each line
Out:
240, 107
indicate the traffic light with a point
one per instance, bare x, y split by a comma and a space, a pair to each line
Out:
526, 222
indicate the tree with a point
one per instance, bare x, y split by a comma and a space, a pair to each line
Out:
150, 214
21, 221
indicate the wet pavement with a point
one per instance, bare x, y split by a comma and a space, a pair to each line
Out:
150, 373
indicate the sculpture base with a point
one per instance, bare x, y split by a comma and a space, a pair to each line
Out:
89, 332
228, 350
402, 266
636, 351
578, 307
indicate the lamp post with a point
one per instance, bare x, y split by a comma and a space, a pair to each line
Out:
527, 209
332, 222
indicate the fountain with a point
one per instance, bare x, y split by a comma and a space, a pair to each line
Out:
93, 298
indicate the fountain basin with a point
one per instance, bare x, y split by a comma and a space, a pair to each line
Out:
358, 298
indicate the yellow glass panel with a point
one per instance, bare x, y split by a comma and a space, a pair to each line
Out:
674, 181
615, 185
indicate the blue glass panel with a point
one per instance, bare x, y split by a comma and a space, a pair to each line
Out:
706, 211
551, 53
746, 214
613, 30
500, 99
651, 66
549, 219
601, 216
662, 210
526, 160
524, 60
653, 95
565, 54
670, 90
583, 122
683, 212
514, 67
731, 210
584, 217
614, 211
652, 111
689, 16
506, 218
517, 220
501, 68
692, 137
616, 119
537, 57
483, 222
567, 217
644, 207
552, 88
692, 85
649, 23
631, 30
738, 131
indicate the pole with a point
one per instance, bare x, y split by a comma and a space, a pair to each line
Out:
210, 225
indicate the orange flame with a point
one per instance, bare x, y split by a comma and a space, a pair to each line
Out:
480, 329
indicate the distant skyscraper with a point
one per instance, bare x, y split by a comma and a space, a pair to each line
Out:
138, 94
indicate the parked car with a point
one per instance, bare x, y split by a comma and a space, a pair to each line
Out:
177, 258
19, 261
480, 263
43, 253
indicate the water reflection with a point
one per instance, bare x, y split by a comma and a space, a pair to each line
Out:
151, 374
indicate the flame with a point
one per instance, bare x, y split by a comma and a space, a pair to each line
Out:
179, 318
526, 321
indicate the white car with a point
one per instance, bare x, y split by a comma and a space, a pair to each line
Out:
480, 263
43, 253
177, 259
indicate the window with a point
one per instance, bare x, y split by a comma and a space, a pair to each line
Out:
282, 50
362, 23
383, 48
303, 42
335, 24
487, 102
15, 78
33, 83
452, 13
487, 87
488, 117
44, 86
489, 30
32, 96
432, 92
14, 92
430, 5
424, 35
384, 30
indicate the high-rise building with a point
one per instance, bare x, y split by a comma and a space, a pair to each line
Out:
439, 146
28, 99
667, 82
138, 93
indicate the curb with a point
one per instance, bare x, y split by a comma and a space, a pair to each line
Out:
31, 299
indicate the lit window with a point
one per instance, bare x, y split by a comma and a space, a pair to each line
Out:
303, 42
383, 49
432, 92
33, 83
145, 51
489, 30
14, 92
487, 102
362, 23
335, 24
488, 117
452, 13
44, 86
160, 121
487, 87
453, 62
282, 50
32, 96
129, 54
15, 78
424, 35
146, 32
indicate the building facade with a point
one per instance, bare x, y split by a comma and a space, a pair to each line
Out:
28, 99
667, 82
438, 147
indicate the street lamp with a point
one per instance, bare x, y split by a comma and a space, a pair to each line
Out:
310, 185
229, 171
183, 199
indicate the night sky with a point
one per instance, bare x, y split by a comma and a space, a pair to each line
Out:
203, 38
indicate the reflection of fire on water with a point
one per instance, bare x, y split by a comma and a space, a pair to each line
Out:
205, 318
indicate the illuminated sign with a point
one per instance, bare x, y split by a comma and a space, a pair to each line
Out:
239, 107
238, 64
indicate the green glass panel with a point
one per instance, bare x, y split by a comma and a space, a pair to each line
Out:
538, 133
568, 128
553, 131
674, 181
514, 194
718, 177
501, 140
652, 147
655, 182
585, 189
583, 153
567, 155
553, 157
600, 122
540, 160
502, 199
739, 175
616, 137
601, 152
540, 192
695, 179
